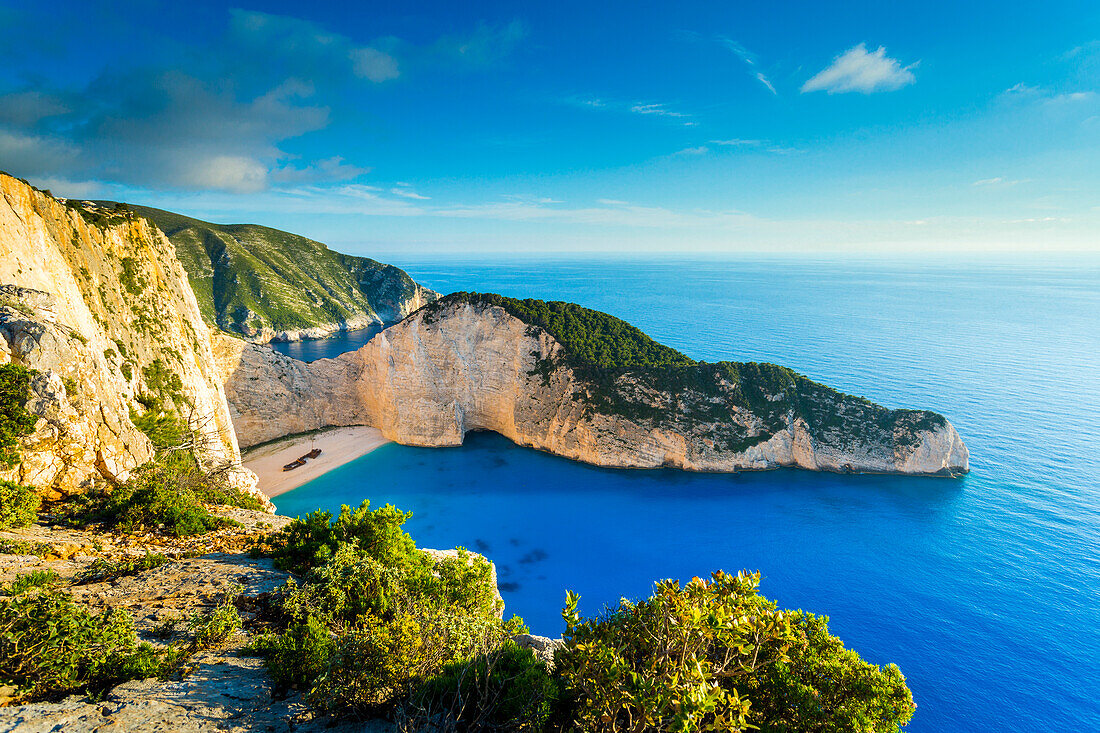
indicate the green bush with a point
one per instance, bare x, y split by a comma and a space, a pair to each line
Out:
715, 655
166, 495
374, 616
153, 499
18, 505
505, 690
218, 626
825, 687
27, 581
300, 655
310, 542
15, 421
162, 426
50, 646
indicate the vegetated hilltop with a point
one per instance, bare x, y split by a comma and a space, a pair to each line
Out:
264, 284
581, 384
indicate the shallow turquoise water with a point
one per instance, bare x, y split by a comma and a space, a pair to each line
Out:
985, 590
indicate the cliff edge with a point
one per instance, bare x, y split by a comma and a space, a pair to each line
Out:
95, 302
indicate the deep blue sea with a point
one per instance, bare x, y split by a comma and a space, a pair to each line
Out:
985, 590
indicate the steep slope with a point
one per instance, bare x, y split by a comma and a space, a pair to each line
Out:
580, 384
95, 301
265, 284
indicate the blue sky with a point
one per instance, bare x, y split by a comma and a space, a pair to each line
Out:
564, 127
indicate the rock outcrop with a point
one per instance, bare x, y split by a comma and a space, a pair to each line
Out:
96, 303
466, 364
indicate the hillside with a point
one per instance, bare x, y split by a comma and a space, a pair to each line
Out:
264, 284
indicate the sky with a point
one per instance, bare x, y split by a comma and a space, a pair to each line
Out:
556, 128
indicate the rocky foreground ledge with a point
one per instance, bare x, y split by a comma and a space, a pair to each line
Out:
224, 687
579, 384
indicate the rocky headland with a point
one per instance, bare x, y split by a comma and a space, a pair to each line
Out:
582, 385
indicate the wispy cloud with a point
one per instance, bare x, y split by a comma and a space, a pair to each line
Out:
1022, 92
408, 194
700, 150
659, 109
654, 109
857, 70
763, 145
750, 59
738, 142
998, 181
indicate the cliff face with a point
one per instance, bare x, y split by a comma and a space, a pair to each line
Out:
458, 366
96, 302
268, 285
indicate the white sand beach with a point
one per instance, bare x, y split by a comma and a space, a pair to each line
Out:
338, 446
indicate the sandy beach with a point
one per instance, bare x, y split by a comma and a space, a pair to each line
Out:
338, 446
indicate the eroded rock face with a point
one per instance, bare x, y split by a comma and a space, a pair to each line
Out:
443, 372
98, 305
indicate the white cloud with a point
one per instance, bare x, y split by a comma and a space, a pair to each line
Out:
1022, 89
764, 80
701, 150
999, 181
1074, 97
370, 63
738, 142
236, 173
656, 109
612, 202
530, 198
856, 70
759, 144
750, 60
406, 193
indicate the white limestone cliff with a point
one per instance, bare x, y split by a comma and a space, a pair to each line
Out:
437, 375
98, 305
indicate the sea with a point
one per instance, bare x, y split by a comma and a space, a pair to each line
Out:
985, 590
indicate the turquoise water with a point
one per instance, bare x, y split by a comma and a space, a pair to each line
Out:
985, 590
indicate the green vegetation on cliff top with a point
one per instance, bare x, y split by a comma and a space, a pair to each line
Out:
248, 277
630, 374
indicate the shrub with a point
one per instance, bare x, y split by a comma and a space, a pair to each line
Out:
164, 495
300, 655
374, 615
18, 505
162, 426
153, 500
310, 542
505, 690
825, 687
50, 646
216, 627
715, 655
27, 581
15, 421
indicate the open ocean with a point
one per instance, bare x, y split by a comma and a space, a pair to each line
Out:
984, 590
